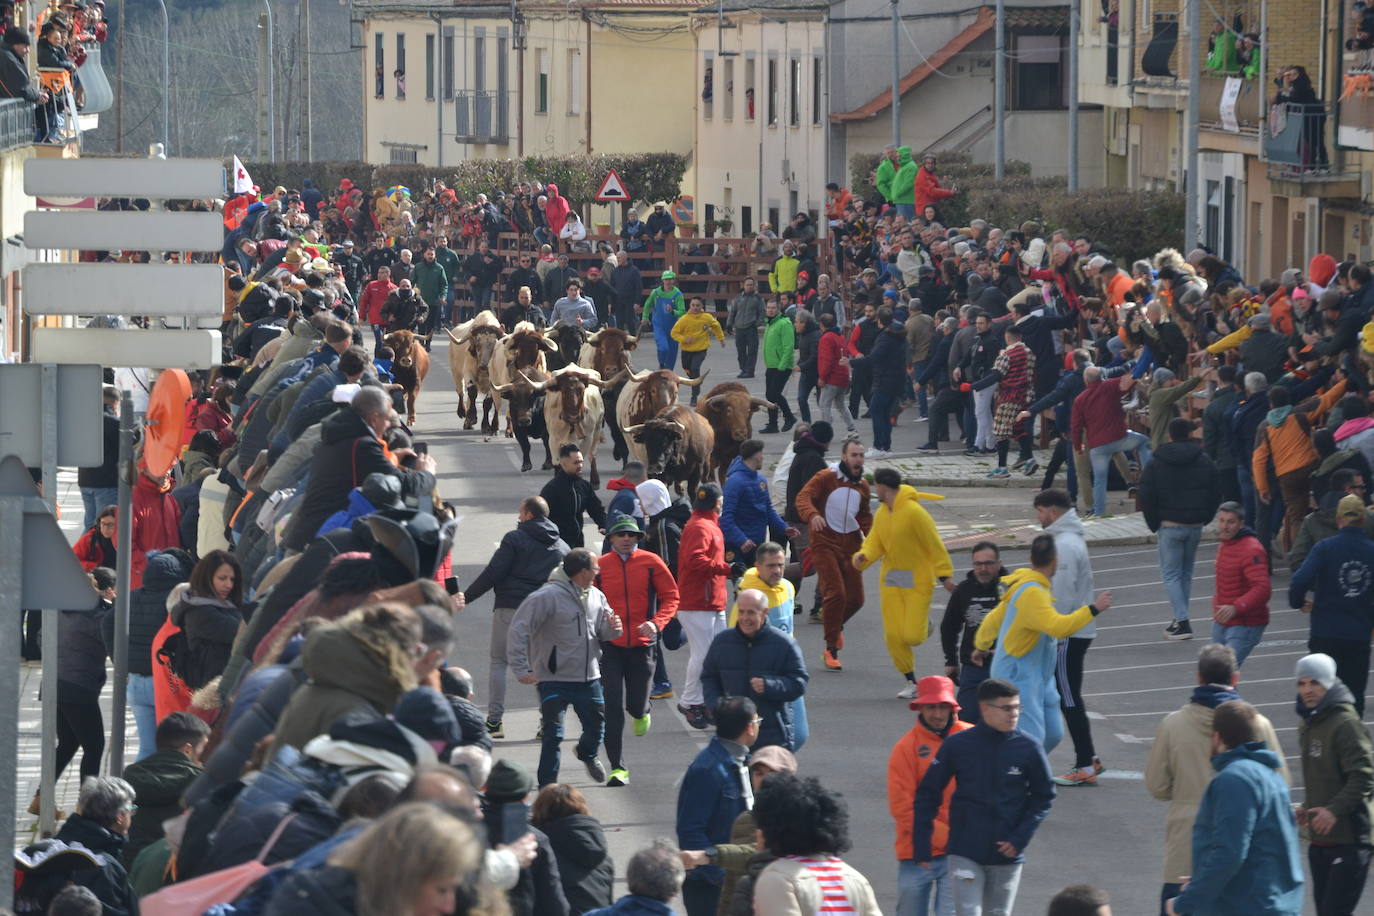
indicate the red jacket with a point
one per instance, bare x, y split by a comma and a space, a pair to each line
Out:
701, 566
1097, 411
633, 585
156, 520
831, 347
88, 552
927, 190
210, 416
1243, 580
370, 302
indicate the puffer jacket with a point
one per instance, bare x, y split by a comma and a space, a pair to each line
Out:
1243, 579
210, 626
910, 758
639, 588
159, 781
148, 610
585, 866
1179, 484
829, 351
325, 891
771, 654
521, 564
81, 653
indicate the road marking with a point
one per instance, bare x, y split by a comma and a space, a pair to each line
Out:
1186, 661
1132, 775
1132, 739
1192, 620
1117, 588
1293, 728
1177, 687
1267, 644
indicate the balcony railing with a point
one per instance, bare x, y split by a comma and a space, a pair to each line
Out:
482, 116
1298, 144
1249, 103
16, 123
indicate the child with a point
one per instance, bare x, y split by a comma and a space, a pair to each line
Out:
381, 361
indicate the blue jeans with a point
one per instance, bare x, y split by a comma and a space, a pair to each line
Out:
920, 390
970, 676
1101, 457
907, 210
140, 699
880, 409
94, 499
588, 702
1177, 550
1241, 638
914, 886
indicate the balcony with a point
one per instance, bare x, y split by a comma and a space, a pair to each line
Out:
1249, 108
482, 116
1356, 125
16, 124
1298, 146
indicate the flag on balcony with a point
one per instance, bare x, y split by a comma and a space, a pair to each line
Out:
243, 182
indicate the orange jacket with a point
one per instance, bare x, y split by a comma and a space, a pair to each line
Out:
1117, 288
634, 586
910, 759
1290, 443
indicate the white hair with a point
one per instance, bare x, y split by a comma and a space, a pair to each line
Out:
1255, 382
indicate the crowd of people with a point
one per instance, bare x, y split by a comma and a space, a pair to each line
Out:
293, 672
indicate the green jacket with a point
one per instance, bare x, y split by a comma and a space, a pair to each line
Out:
432, 282
159, 780
1162, 401
780, 344
904, 183
1337, 767
883, 180
783, 277
450, 261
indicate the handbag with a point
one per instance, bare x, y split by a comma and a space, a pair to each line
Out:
199, 894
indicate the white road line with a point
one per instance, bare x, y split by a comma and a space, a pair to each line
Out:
1156, 642
1293, 728
1186, 661
1117, 588
1193, 620
1176, 687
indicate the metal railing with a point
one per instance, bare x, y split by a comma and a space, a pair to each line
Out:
16, 123
482, 116
1297, 139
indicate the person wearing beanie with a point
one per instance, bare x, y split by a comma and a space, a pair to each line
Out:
935, 707
539, 889
1338, 776
1339, 572
1166, 390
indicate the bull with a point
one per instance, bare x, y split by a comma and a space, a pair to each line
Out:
526, 406
729, 408
644, 396
678, 444
608, 352
472, 345
409, 368
568, 340
573, 410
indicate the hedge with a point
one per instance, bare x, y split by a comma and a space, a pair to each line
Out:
1131, 224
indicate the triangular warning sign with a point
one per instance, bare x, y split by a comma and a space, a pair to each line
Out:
612, 189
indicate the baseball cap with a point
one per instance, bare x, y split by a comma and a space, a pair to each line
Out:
1350, 506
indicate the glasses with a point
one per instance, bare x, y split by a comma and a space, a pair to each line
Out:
986, 562
1010, 707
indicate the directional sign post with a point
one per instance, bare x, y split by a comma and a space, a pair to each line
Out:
612, 190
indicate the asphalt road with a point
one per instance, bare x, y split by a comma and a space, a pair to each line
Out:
1110, 835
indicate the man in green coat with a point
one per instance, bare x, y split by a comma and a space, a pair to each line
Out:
779, 355
904, 184
432, 281
1338, 774
886, 171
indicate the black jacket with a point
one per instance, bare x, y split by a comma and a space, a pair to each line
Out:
486, 270
603, 296
1179, 484
110, 882
326, 891
159, 781
734, 659
887, 360
523, 276
105, 474
514, 314
808, 458
257, 335
210, 628
568, 498
81, 653
14, 77
937, 366
556, 283
585, 865
808, 346
1265, 352
471, 723
347, 453
629, 285
147, 610
539, 892
404, 313
521, 563
967, 607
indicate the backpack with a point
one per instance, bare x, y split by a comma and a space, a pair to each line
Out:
188, 661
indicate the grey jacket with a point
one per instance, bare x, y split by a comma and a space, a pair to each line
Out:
556, 633
746, 311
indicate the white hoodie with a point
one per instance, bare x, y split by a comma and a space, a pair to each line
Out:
1073, 580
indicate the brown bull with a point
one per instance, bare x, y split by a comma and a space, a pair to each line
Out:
572, 410
409, 368
644, 396
608, 352
678, 442
729, 408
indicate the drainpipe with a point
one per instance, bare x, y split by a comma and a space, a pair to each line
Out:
587, 90
438, 89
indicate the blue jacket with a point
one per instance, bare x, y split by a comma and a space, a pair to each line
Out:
1245, 845
887, 359
748, 514
771, 654
634, 905
358, 506
318, 388
1069, 386
710, 799
1340, 570
1003, 791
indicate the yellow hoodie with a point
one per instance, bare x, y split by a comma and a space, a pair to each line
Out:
694, 330
904, 538
781, 599
1035, 614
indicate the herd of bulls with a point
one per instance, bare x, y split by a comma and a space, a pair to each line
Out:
560, 387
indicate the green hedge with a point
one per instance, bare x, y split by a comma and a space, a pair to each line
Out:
1132, 224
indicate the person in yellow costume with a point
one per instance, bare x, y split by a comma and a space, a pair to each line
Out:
694, 331
1026, 627
903, 536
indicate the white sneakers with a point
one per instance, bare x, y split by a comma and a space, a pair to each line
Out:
877, 453
908, 692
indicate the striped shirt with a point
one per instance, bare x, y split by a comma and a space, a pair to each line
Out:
828, 873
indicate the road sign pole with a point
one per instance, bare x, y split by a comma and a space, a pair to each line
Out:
124, 553
48, 783
11, 613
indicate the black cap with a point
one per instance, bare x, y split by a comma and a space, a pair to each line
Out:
16, 37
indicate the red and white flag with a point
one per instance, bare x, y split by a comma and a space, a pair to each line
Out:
243, 182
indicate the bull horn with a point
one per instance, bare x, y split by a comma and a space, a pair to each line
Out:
631, 430
594, 339
761, 404
597, 380
455, 338
616, 379
641, 376
678, 424
537, 386
631, 341
502, 389
548, 344
693, 382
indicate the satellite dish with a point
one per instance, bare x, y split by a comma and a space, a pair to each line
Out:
164, 421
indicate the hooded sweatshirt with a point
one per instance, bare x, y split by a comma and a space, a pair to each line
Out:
904, 182
521, 564
1073, 579
1337, 767
1035, 615
1340, 571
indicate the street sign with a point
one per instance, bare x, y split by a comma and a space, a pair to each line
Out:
155, 348
152, 178
53, 577
80, 429
123, 230
124, 289
612, 189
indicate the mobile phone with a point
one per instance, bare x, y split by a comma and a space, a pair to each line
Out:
451, 585
420, 448
512, 821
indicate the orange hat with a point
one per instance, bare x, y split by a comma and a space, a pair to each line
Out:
934, 689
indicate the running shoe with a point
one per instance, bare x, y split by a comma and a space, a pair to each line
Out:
495, 728
1077, 777
662, 691
831, 661
1031, 468
642, 724
1019, 462
619, 777
1179, 629
1098, 768
999, 474
594, 768
908, 692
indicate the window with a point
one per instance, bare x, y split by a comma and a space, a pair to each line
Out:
708, 88
772, 92
429, 66
379, 62
773, 219
746, 215
1039, 73
502, 84
729, 111
749, 89
541, 88
479, 60
817, 96
574, 81
448, 62
403, 156
400, 71
794, 91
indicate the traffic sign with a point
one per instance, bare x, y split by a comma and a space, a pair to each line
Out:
156, 348
123, 229
80, 428
612, 189
152, 178
124, 289
53, 576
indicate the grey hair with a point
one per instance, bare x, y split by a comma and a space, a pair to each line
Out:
656, 871
436, 626
102, 799
980, 223
949, 324
473, 764
1140, 267
75, 900
1098, 262
1255, 382
370, 401
1063, 246
1092, 374
804, 315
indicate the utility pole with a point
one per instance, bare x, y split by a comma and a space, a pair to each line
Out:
307, 143
1190, 127
999, 102
264, 62
119, 83
1073, 95
896, 78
